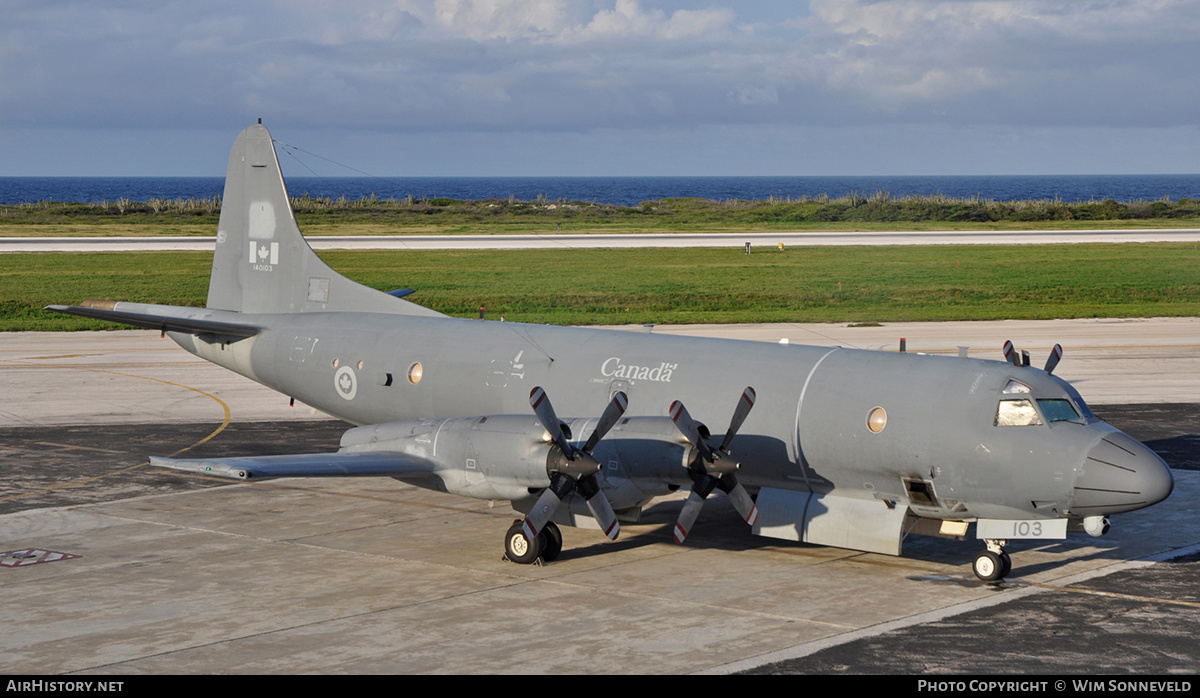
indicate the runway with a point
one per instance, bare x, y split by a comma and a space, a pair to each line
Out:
184, 574
568, 241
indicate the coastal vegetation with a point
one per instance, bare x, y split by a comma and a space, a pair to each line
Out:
671, 286
374, 216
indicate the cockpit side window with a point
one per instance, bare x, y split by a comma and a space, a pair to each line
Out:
1017, 413
1059, 410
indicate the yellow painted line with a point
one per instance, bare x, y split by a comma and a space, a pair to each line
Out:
1111, 594
63, 356
224, 423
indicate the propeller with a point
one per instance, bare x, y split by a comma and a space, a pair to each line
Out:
1056, 355
1022, 359
712, 468
1010, 354
576, 469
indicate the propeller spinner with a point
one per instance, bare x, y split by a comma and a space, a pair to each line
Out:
712, 468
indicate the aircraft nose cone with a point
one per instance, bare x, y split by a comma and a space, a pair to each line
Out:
1120, 474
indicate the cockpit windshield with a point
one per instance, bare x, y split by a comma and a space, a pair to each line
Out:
1059, 410
1017, 413
1017, 409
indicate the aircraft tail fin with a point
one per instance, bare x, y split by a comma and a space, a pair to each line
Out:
262, 262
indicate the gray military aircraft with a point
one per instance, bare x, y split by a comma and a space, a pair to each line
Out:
841, 447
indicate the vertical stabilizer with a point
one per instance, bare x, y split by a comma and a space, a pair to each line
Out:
262, 263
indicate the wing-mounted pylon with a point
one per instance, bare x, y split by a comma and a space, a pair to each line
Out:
572, 468
711, 468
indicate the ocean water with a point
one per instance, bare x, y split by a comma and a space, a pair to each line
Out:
625, 191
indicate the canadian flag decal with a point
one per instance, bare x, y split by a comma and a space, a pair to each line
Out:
264, 253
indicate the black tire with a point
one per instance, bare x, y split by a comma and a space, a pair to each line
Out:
988, 566
519, 550
552, 541
1006, 561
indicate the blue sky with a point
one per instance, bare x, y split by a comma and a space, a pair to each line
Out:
603, 87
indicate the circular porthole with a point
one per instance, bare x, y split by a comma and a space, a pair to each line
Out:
335, 363
360, 365
415, 372
876, 420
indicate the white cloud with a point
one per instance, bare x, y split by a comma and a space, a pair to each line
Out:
1049, 62
582, 65
627, 18
490, 19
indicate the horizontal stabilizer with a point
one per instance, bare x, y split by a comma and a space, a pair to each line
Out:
379, 464
177, 320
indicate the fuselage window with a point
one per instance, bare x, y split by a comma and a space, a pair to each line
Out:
1015, 387
1059, 411
876, 420
1017, 413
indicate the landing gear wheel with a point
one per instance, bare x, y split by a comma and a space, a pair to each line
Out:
989, 566
1006, 563
519, 550
551, 541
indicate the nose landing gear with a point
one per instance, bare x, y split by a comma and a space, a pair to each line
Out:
992, 564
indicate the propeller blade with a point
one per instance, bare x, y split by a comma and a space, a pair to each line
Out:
540, 401
542, 511
1010, 354
714, 468
1056, 355
600, 507
612, 413
701, 488
739, 415
687, 426
578, 472
739, 497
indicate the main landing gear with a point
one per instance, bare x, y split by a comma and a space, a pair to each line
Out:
992, 564
545, 547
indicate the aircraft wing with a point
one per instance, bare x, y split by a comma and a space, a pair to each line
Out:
159, 317
376, 463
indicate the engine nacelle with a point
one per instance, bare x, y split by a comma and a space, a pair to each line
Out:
650, 452
510, 456
496, 457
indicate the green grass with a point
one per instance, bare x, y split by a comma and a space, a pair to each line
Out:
670, 286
